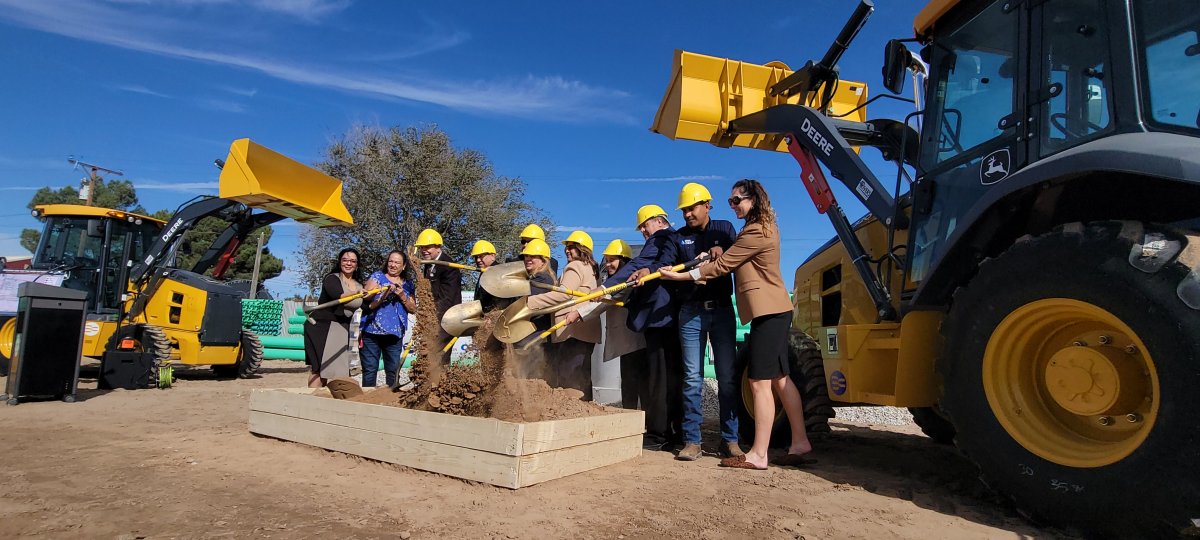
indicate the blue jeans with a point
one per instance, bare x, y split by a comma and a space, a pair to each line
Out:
697, 326
372, 346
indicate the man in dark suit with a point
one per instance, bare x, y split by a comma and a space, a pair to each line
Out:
652, 312
445, 281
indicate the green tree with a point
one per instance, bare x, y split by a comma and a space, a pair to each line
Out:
115, 194
400, 180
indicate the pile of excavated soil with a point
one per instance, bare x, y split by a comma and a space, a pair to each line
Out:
498, 386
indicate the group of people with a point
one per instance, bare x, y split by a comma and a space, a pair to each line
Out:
660, 334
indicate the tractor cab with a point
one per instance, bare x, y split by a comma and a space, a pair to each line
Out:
86, 245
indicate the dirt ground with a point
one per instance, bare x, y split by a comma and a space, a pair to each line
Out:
180, 463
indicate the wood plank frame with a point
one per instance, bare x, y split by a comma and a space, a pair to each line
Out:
506, 454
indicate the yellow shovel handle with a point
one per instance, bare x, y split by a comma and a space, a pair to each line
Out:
544, 335
344, 299
451, 344
572, 292
452, 265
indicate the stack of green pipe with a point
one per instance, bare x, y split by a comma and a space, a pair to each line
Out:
291, 346
262, 317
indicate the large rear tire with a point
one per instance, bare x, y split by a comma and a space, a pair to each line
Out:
152, 339
250, 357
808, 374
1071, 367
933, 424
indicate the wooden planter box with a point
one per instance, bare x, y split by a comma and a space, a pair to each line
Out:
501, 453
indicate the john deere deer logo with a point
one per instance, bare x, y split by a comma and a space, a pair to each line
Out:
994, 167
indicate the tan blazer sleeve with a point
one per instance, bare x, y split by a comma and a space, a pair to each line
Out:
572, 278
748, 244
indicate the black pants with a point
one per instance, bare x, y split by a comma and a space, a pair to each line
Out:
571, 366
635, 380
664, 366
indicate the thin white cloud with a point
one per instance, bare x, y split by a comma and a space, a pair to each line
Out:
531, 96
307, 10
220, 105
32, 163
138, 89
650, 179
244, 92
594, 230
183, 187
21, 188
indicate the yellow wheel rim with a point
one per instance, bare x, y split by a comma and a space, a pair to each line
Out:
1071, 382
7, 333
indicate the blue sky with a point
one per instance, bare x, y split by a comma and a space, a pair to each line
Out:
560, 94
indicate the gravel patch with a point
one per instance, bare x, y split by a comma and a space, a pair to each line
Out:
889, 416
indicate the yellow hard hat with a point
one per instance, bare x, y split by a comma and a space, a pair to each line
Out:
619, 248
429, 237
533, 231
581, 238
693, 193
537, 247
647, 212
482, 247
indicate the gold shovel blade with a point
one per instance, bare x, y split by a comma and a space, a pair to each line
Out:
508, 280
513, 325
463, 318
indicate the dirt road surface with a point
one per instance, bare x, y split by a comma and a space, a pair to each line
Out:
180, 463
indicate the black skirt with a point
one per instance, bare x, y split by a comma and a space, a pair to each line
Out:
768, 346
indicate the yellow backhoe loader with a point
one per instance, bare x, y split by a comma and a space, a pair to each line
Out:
1030, 284
138, 300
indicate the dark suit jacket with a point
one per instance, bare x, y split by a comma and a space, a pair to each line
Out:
652, 305
446, 283
754, 261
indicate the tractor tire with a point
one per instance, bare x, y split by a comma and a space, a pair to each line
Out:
808, 374
933, 424
153, 339
250, 357
8, 331
1071, 367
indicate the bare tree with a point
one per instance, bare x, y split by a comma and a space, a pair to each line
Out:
400, 180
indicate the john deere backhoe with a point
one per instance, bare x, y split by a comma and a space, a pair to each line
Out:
138, 300
1030, 284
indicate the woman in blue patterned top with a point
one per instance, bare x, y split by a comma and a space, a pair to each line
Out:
386, 318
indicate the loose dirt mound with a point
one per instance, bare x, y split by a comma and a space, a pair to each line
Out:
493, 387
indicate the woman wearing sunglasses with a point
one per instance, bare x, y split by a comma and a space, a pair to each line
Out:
762, 300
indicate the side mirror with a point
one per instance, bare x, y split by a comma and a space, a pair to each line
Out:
95, 228
896, 60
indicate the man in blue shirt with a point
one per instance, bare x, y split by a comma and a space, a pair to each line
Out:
652, 309
706, 313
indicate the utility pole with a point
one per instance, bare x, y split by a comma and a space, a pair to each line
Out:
254, 275
93, 175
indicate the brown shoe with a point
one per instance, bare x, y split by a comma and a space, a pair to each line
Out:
731, 449
690, 452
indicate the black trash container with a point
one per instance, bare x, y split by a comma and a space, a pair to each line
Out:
47, 344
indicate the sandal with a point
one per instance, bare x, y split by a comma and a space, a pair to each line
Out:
739, 462
793, 460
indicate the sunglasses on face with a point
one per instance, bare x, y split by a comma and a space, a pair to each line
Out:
737, 199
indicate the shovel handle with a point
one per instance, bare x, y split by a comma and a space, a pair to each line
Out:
564, 290
451, 344
544, 335
451, 265
344, 299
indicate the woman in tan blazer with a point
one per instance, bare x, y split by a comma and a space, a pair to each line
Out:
762, 300
570, 348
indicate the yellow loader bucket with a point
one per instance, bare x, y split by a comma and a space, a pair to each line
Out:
262, 178
707, 92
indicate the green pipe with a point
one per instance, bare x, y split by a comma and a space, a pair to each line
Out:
283, 354
296, 329
297, 319
282, 342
